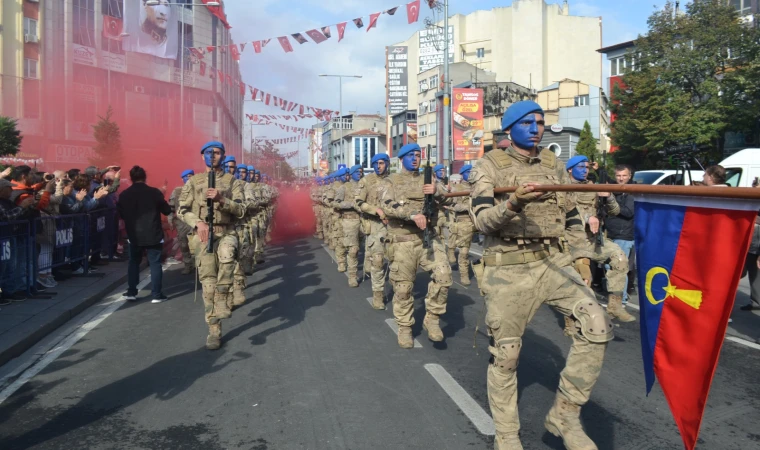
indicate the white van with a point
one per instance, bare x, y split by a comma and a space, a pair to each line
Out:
668, 177
742, 167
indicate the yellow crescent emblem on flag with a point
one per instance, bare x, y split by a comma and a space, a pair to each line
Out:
690, 297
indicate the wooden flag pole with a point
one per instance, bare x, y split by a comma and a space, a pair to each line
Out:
691, 191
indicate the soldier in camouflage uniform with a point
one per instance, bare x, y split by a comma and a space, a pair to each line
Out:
216, 269
586, 247
328, 195
461, 227
258, 222
350, 224
527, 262
402, 197
183, 231
341, 178
368, 203
315, 193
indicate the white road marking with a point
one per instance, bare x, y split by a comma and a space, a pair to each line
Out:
329, 252
743, 342
392, 323
69, 337
482, 421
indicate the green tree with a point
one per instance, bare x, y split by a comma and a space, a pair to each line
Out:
269, 160
108, 137
696, 77
10, 136
587, 144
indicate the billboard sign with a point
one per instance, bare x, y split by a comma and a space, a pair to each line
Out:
431, 45
467, 127
397, 72
152, 30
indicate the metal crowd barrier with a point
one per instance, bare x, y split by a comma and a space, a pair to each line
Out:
27, 247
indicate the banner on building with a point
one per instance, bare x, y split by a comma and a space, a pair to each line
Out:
397, 73
153, 30
411, 133
467, 124
431, 44
86, 56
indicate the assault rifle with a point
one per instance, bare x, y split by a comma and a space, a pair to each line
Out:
428, 210
210, 212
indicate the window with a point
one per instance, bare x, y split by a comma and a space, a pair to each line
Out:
422, 86
432, 128
433, 82
481, 52
186, 47
365, 152
743, 6
31, 99
30, 68
113, 8
423, 108
581, 100
30, 26
618, 66
411, 116
372, 151
433, 104
423, 130
84, 22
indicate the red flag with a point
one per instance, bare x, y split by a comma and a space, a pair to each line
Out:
373, 20
203, 69
300, 110
197, 52
242, 88
341, 30
210, 48
112, 27
413, 11
266, 102
254, 92
221, 75
285, 44
316, 36
235, 52
257, 46
218, 11
229, 79
431, 3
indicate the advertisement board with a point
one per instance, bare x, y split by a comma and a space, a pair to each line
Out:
431, 44
397, 73
86, 56
67, 153
153, 30
467, 124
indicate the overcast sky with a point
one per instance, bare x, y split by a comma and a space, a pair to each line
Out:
294, 76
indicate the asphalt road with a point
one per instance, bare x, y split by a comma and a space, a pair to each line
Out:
308, 364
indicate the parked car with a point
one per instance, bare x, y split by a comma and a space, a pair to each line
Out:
669, 177
742, 167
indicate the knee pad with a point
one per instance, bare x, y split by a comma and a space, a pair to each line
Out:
442, 275
506, 354
353, 251
619, 262
223, 289
377, 261
402, 290
227, 249
595, 324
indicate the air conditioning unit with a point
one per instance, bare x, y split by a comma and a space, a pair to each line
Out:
31, 38
139, 89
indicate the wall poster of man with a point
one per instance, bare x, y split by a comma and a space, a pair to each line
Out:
151, 29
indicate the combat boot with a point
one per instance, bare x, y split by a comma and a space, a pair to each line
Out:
430, 324
616, 311
377, 300
221, 308
465, 279
570, 329
564, 421
341, 267
187, 269
405, 339
352, 280
238, 296
214, 339
452, 256
507, 442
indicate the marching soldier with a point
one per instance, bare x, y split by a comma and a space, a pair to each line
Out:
402, 197
461, 227
328, 195
341, 177
182, 229
527, 263
316, 191
348, 250
216, 268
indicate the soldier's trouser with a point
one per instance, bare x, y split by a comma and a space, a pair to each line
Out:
375, 248
182, 239
350, 237
216, 272
405, 258
318, 217
260, 233
245, 255
337, 236
612, 255
513, 294
461, 238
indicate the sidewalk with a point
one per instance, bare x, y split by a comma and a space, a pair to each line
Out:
25, 323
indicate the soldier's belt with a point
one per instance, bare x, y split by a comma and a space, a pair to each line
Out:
510, 259
464, 217
222, 228
405, 238
349, 215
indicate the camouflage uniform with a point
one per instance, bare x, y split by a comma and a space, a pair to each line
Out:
367, 202
328, 195
527, 263
183, 231
585, 248
259, 219
461, 229
315, 195
401, 197
347, 251
216, 270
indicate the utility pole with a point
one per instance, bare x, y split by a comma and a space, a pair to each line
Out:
447, 151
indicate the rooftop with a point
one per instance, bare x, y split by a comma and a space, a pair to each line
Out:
619, 46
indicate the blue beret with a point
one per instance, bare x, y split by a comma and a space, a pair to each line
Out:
250, 168
574, 161
341, 172
464, 169
228, 159
519, 110
241, 166
187, 173
380, 156
438, 167
408, 148
210, 144
354, 169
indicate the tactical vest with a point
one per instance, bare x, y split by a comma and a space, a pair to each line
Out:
544, 218
408, 192
200, 187
586, 203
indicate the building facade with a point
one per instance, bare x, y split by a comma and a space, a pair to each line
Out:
354, 139
76, 67
403, 130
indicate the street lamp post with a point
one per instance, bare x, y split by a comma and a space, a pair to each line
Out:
340, 110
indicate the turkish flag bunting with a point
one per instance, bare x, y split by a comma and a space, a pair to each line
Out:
299, 37
276, 100
266, 102
235, 52
112, 27
290, 106
257, 46
358, 22
391, 11
229, 79
326, 32
242, 88
265, 42
210, 48
300, 110
242, 47
285, 44
316, 36
341, 30
413, 10
203, 69
254, 92
197, 52
373, 20
221, 75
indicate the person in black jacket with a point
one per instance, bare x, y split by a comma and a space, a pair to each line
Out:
620, 227
141, 206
